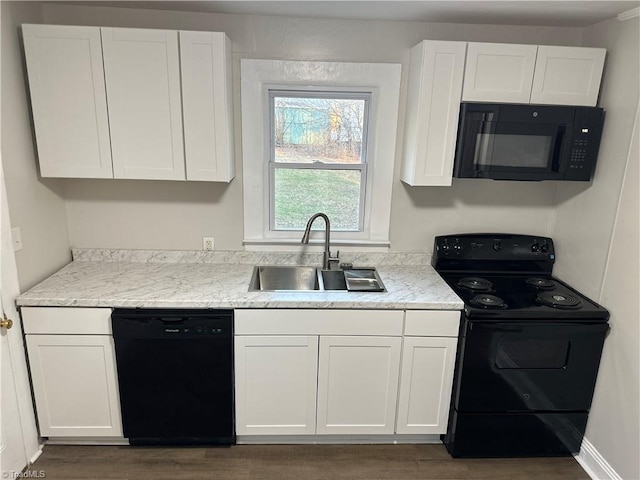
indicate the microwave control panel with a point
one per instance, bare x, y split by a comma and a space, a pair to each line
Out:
587, 130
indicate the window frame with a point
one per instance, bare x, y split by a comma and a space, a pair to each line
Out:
363, 166
260, 76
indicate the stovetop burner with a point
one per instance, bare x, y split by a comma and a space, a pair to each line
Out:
514, 296
541, 283
477, 284
509, 277
488, 301
557, 300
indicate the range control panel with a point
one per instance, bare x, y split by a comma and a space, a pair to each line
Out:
493, 247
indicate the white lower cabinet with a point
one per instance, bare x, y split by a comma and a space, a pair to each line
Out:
74, 376
297, 372
358, 384
343, 372
425, 384
312, 372
428, 360
276, 381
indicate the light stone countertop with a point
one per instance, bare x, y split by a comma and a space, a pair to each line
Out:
153, 279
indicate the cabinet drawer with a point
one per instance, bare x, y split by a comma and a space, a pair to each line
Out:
318, 322
432, 323
62, 320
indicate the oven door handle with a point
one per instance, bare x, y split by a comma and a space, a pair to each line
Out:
505, 327
496, 326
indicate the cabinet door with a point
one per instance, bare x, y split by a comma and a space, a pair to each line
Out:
276, 381
142, 75
434, 91
568, 75
205, 63
358, 384
497, 72
425, 384
69, 102
75, 385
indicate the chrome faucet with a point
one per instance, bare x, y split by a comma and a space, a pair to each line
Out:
326, 257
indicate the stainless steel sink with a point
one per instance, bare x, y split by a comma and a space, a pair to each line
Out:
284, 278
333, 280
293, 278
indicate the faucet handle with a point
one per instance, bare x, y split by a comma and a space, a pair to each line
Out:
334, 260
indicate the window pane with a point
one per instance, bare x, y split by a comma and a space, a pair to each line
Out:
307, 129
299, 193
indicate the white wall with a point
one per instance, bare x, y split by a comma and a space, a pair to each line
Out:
596, 234
173, 215
35, 205
614, 423
586, 214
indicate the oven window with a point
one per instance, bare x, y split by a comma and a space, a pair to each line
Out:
532, 353
508, 150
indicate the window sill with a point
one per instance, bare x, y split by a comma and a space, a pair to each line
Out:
315, 245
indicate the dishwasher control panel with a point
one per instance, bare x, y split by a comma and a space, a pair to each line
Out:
171, 323
199, 330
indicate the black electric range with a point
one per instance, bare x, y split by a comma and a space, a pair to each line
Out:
528, 352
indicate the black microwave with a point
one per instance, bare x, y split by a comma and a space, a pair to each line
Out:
527, 142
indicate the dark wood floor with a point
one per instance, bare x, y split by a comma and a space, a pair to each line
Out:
292, 462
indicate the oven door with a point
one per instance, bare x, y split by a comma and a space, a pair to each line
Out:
517, 142
528, 366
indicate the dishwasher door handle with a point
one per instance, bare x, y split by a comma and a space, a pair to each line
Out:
171, 319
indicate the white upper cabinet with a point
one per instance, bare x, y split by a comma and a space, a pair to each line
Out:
498, 72
110, 103
142, 71
66, 80
434, 90
568, 75
506, 73
207, 105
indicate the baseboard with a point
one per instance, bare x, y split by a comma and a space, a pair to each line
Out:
87, 441
37, 454
336, 439
594, 464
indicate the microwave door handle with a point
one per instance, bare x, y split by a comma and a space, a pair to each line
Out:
558, 141
483, 147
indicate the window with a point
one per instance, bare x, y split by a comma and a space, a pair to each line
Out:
318, 137
318, 158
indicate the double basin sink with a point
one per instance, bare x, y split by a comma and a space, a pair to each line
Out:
295, 278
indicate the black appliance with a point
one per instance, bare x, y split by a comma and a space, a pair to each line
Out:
175, 374
527, 142
528, 351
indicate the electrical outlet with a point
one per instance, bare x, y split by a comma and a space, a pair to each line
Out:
207, 244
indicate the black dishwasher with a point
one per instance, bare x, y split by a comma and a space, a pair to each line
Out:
175, 373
